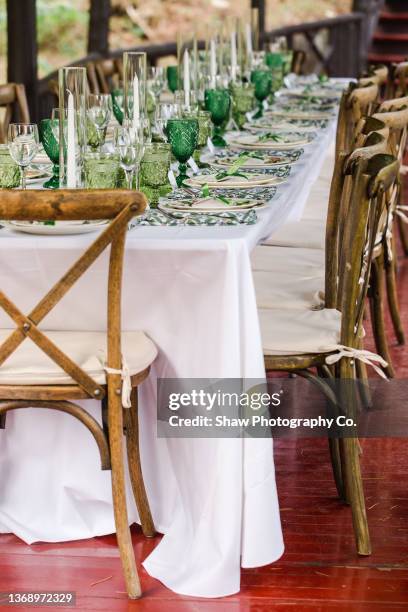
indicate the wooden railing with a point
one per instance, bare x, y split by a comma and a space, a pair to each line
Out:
337, 46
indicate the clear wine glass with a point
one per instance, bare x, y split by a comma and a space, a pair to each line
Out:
164, 112
156, 79
129, 144
99, 113
23, 141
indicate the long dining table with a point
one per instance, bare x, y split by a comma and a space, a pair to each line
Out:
191, 290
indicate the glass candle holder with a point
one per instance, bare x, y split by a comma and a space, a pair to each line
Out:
10, 175
217, 102
262, 79
49, 137
102, 172
72, 131
243, 102
134, 86
154, 169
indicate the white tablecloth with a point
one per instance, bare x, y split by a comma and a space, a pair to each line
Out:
190, 289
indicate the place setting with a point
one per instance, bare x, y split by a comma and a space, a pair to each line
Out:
290, 125
272, 141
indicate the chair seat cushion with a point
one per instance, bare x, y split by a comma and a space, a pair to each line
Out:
289, 261
28, 365
282, 290
306, 233
296, 332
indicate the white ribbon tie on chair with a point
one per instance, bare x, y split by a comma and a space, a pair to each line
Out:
126, 382
366, 357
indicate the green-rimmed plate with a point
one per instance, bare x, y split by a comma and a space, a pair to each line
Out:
211, 204
272, 141
57, 228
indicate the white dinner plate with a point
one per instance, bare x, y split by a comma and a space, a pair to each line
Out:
233, 182
315, 92
278, 127
285, 141
297, 114
208, 205
60, 228
267, 161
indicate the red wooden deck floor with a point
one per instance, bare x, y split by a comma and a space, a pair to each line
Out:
319, 570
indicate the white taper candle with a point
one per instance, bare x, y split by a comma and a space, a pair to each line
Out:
186, 78
233, 55
136, 103
71, 147
213, 62
248, 32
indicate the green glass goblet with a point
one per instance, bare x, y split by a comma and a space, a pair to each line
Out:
172, 78
274, 60
287, 57
183, 137
154, 169
10, 175
117, 105
218, 102
262, 79
204, 133
243, 102
49, 136
275, 63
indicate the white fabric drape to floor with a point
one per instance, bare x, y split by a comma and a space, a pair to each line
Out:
190, 289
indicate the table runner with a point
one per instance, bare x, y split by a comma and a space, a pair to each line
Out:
191, 290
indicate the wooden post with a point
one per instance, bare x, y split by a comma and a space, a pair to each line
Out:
260, 5
22, 49
98, 33
371, 10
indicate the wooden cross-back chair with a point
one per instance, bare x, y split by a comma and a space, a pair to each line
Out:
298, 61
397, 121
371, 179
369, 80
395, 104
383, 132
377, 75
366, 126
13, 99
109, 73
93, 83
338, 208
385, 256
112, 377
398, 80
354, 104
381, 72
